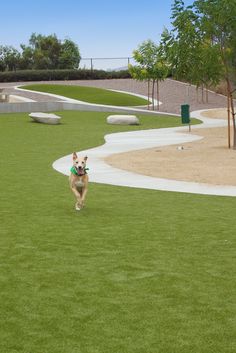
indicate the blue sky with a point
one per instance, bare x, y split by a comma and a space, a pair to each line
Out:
102, 28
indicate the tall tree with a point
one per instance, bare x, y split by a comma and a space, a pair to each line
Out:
9, 58
26, 60
45, 50
48, 52
69, 55
2, 59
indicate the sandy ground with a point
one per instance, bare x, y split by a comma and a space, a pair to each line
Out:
215, 113
208, 160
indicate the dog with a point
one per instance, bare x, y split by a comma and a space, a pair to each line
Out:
78, 180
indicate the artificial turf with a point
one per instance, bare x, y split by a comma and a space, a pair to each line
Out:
90, 94
136, 271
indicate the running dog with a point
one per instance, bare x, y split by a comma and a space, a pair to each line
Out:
79, 180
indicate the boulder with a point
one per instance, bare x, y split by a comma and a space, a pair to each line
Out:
123, 120
45, 118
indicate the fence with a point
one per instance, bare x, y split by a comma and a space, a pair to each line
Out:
107, 64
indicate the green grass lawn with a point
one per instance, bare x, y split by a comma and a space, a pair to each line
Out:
90, 94
136, 271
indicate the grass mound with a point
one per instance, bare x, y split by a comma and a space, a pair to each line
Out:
90, 94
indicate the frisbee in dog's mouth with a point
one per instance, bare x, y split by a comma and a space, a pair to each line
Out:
79, 171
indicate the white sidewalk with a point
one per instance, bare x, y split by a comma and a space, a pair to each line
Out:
100, 172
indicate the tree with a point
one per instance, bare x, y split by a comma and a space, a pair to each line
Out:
45, 51
2, 58
26, 60
218, 25
151, 67
207, 67
183, 41
190, 56
48, 52
69, 55
201, 47
9, 58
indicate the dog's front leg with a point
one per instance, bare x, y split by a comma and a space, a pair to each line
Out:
77, 194
83, 195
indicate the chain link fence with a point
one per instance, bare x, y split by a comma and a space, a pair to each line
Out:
107, 64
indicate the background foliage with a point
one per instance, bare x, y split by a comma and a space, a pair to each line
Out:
42, 52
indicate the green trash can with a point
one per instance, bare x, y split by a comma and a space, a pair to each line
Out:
185, 114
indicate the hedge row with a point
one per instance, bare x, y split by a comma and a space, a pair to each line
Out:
48, 75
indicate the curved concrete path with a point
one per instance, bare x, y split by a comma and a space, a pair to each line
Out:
79, 102
173, 93
101, 172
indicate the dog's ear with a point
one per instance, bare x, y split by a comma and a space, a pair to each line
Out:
85, 158
74, 156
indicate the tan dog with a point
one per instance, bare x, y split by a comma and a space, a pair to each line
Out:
79, 180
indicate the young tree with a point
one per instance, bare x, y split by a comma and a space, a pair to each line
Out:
189, 55
151, 67
208, 68
217, 20
201, 47
183, 39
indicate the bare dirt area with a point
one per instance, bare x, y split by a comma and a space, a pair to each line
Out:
208, 160
215, 113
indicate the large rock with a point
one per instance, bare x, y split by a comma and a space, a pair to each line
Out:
45, 118
123, 119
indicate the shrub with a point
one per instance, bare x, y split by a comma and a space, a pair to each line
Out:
48, 75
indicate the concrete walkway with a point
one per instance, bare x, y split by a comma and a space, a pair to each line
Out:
174, 94
101, 172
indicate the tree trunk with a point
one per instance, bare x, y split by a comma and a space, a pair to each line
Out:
148, 93
153, 92
228, 111
187, 93
233, 117
158, 96
231, 102
197, 94
207, 100
202, 94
